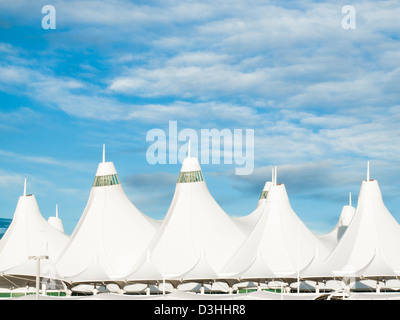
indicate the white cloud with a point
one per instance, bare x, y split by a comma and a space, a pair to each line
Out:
10, 180
308, 87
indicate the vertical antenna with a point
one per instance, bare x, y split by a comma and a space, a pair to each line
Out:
273, 176
276, 175
104, 153
57, 211
25, 188
189, 149
350, 199
368, 171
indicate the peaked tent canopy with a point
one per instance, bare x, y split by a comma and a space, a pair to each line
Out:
332, 238
194, 227
28, 235
111, 229
248, 222
317, 269
148, 272
279, 236
372, 229
257, 270
201, 271
56, 222
377, 268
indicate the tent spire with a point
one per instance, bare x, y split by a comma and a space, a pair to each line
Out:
25, 188
368, 171
57, 211
189, 149
350, 199
104, 153
273, 176
276, 175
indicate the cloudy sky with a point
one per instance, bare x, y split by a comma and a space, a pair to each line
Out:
321, 99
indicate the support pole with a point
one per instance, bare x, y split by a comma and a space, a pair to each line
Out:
37, 258
37, 277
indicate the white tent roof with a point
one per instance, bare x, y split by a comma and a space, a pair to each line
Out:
248, 222
377, 267
201, 271
257, 269
29, 234
147, 271
92, 274
280, 236
56, 222
194, 227
316, 269
372, 229
332, 238
111, 228
29, 268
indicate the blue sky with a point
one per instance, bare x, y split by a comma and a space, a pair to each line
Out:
322, 100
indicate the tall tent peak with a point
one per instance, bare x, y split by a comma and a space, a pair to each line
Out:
267, 185
265, 190
56, 221
106, 174
105, 169
190, 171
190, 164
277, 193
368, 171
370, 189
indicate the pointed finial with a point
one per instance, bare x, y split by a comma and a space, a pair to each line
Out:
25, 188
189, 149
104, 153
368, 171
57, 211
350, 199
273, 176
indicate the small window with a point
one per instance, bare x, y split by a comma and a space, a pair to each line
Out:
109, 180
191, 176
264, 195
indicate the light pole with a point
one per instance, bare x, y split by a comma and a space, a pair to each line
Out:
37, 258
